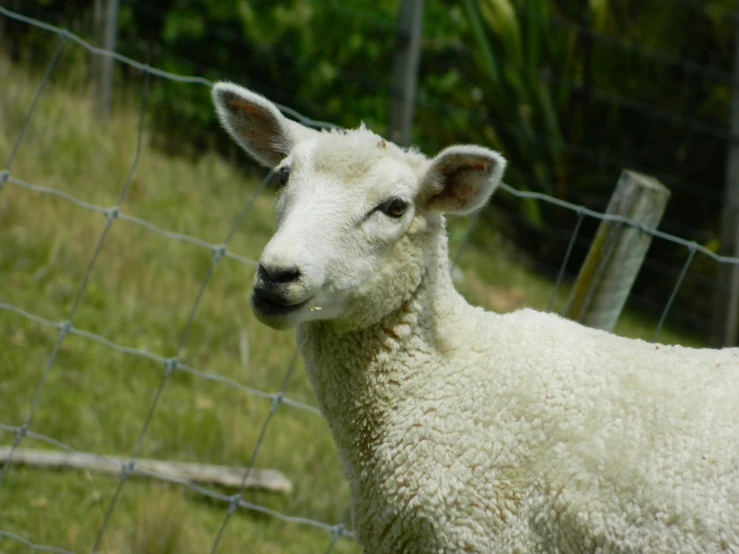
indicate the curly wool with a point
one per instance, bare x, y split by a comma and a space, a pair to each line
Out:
467, 431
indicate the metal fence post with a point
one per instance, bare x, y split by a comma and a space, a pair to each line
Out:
405, 71
617, 252
725, 330
105, 68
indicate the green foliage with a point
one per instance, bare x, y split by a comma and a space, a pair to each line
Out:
289, 51
573, 92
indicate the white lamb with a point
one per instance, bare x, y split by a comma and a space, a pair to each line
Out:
463, 430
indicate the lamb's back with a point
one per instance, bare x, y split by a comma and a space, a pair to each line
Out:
599, 438
525, 431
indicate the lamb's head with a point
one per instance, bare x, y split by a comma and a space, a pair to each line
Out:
357, 215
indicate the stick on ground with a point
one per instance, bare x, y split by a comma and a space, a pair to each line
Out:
229, 477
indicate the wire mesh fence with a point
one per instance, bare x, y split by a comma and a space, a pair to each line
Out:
173, 365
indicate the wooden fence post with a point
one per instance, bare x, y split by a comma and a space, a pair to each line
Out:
405, 71
617, 252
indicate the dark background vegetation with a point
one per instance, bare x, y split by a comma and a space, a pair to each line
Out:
571, 92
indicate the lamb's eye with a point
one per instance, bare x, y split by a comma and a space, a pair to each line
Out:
284, 176
395, 207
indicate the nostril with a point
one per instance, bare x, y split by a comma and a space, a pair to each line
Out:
286, 275
278, 275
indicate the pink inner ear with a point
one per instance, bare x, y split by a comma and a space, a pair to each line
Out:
458, 185
257, 126
477, 165
236, 104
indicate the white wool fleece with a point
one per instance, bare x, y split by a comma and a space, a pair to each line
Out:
463, 431
467, 431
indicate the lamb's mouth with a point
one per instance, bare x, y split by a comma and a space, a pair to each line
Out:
273, 305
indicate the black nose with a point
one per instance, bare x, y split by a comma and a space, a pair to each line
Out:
278, 275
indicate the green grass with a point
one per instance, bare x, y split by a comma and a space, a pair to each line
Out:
140, 294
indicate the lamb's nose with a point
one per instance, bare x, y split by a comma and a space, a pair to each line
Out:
270, 275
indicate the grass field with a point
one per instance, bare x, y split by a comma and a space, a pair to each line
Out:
140, 294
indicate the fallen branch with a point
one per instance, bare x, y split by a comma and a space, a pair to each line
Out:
229, 477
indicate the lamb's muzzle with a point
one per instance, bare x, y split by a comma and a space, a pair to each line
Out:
280, 294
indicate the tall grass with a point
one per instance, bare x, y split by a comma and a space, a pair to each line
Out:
140, 294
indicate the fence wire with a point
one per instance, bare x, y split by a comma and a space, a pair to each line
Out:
170, 365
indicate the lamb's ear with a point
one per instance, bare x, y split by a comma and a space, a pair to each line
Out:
256, 124
460, 179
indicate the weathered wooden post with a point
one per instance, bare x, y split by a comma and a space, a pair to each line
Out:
617, 252
405, 71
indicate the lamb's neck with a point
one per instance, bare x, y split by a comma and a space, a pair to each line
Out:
359, 376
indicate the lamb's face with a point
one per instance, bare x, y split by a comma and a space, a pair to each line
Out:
350, 232
356, 214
